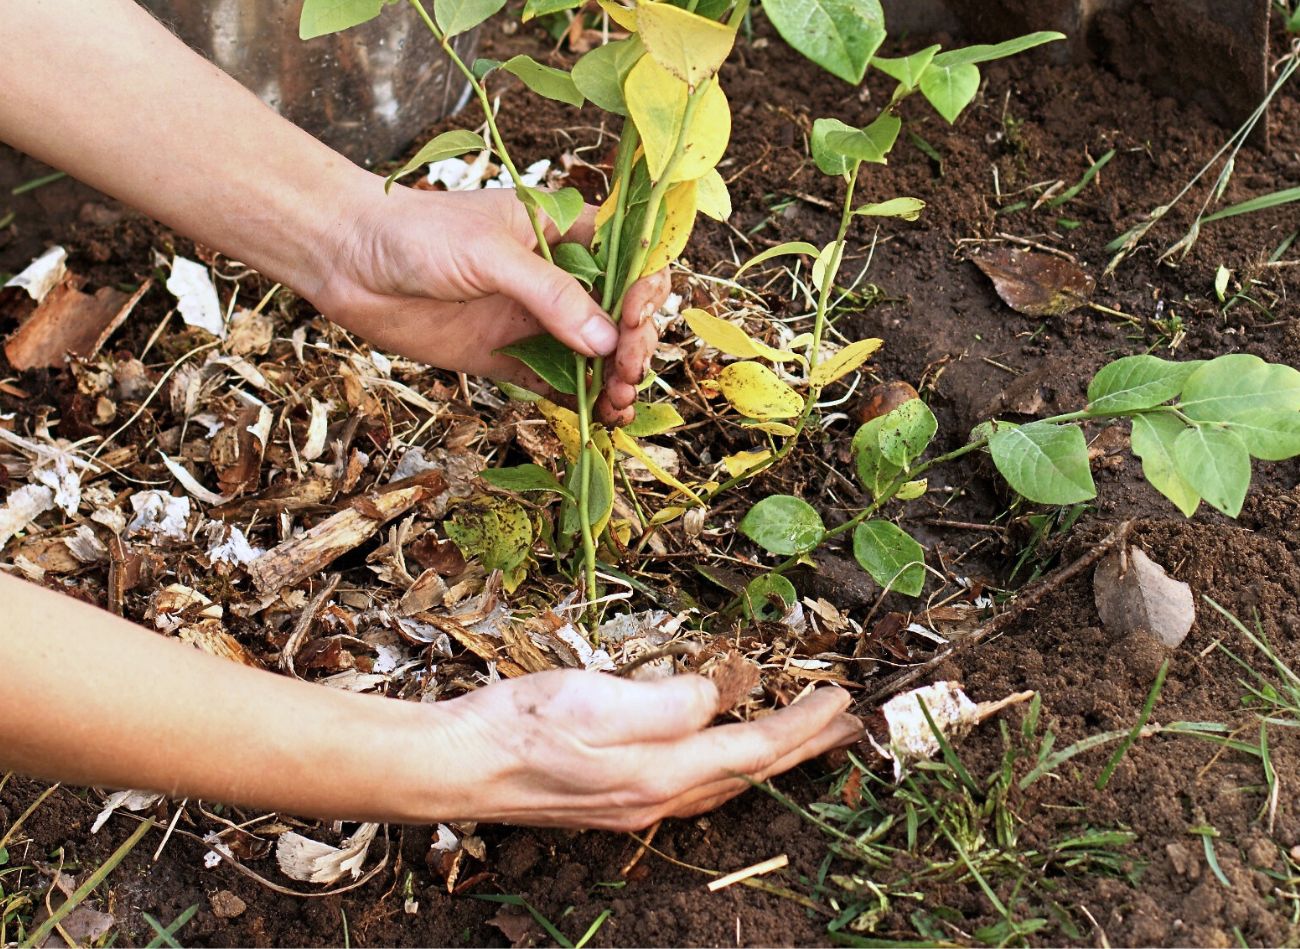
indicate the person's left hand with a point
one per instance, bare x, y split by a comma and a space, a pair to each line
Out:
447, 278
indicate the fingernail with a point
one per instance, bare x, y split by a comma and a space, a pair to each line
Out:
599, 333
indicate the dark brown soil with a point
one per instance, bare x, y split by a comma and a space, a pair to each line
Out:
948, 334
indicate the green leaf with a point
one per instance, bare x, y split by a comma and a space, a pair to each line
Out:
1043, 462
523, 478
950, 88
906, 69
549, 358
986, 52
905, 432
1269, 434
563, 207
784, 525
1229, 386
1137, 382
892, 557
781, 250
447, 145
461, 16
909, 209
653, 418
544, 80
836, 147
600, 499
762, 594
875, 471
600, 74
536, 8
320, 17
841, 36
496, 531
1216, 464
575, 259
1153, 441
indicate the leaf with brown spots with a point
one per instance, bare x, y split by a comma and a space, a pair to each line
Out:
1034, 283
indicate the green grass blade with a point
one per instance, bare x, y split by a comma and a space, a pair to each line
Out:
949, 755
37, 936
1103, 779
166, 936
510, 899
1261, 203
593, 928
1083, 182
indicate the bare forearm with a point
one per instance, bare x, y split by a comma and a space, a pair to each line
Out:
89, 698
106, 93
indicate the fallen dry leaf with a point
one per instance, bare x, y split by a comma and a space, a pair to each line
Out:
1134, 593
1035, 283
301, 858
735, 677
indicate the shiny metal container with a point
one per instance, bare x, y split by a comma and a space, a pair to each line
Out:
367, 92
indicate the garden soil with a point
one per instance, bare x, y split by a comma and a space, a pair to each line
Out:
948, 334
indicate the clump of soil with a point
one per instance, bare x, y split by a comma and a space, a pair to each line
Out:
947, 333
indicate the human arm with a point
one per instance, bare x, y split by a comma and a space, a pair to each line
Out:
89, 698
106, 93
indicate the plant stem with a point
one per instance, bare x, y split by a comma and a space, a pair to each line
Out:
498, 144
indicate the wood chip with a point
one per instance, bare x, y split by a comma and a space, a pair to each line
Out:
735, 676
300, 557
69, 321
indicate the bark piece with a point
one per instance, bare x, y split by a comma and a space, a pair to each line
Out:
69, 321
1134, 593
300, 557
735, 677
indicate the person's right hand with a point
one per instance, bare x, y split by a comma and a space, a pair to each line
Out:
588, 750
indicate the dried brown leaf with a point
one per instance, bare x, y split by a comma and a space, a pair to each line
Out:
1035, 283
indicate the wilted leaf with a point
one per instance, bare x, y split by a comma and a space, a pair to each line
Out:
1034, 283
1134, 593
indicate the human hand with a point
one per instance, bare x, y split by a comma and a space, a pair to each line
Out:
583, 749
447, 278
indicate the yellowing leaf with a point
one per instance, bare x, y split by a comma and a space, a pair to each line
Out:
627, 444
912, 490
621, 15
686, 44
743, 461
772, 428
712, 196
845, 361
755, 391
667, 515
656, 101
607, 207
730, 338
679, 203
565, 425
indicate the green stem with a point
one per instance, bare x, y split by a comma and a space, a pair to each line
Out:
498, 144
819, 329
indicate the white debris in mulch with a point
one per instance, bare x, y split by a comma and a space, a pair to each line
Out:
227, 544
312, 861
43, 274
196, 296
160, 514
23, 506
130, 800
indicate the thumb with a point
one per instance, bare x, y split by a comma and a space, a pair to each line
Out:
659, 710
556, 299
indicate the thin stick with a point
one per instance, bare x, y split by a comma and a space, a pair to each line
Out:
758, 869
642, 849
1021, 604
304, 624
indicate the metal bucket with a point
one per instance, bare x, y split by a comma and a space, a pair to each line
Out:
366, 92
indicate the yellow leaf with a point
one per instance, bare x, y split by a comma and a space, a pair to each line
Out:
730, 338
679, 203
712, 196
622, 529
686, 44
656, 101
666, 515
606, 471
845, 361
607, 207
627, 444
772, 428
755, 391
565, 425
912, 490
621, 15
743, 461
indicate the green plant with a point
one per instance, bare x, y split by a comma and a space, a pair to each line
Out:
1196, 425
